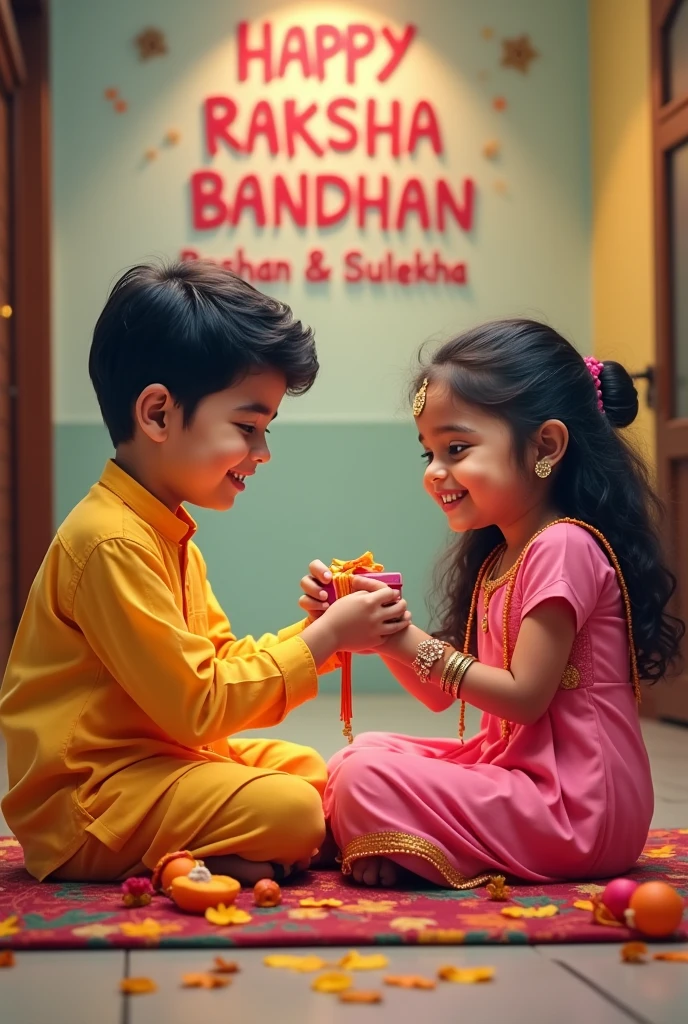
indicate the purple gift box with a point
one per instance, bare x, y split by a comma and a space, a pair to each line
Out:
392, 579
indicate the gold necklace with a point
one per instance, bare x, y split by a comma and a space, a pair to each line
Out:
510, 578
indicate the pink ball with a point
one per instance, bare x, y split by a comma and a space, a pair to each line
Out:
617, 896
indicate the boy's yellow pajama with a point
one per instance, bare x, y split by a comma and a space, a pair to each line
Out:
122, 688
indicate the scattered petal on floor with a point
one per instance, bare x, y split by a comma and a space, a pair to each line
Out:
360, 996
355, 961
634, 953
549, 911
222, 966
137, 986
7, 958
680, 956
466, 975
203, 980
302, 964
334, 981
409, 981
311, 902
370, 907
584, 905
660, 852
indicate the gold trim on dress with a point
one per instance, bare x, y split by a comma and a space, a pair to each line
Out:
386, 844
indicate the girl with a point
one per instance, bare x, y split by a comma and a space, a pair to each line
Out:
554, 607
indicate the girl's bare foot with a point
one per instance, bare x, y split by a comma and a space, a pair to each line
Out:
375, 871
248, 872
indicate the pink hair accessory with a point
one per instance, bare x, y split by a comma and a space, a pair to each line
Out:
596, 368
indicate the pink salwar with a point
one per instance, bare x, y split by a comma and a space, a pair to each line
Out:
569, 797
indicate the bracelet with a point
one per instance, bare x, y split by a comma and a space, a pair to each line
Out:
427, 653
454, 671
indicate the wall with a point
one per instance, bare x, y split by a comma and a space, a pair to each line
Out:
345, 474
622, 237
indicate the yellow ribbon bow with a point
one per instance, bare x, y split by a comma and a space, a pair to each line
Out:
342, 579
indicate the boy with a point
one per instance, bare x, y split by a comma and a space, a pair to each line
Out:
125, 680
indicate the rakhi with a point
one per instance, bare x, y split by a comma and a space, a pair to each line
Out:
341, 585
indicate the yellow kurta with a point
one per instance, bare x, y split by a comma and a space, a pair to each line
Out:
125, 676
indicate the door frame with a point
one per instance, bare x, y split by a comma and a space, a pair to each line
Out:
24, 49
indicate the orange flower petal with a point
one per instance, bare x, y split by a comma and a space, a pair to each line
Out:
678, 957
584, 905
7, 958
204, 980
360, 996
466, 975
409, 981
222, 966
634, 953
137, 986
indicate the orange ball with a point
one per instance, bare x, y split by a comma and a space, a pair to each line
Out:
267, 893
657, 910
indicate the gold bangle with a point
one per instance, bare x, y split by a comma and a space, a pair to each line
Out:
449, 668
458, 678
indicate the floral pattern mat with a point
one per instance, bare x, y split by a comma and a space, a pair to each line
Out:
45, 915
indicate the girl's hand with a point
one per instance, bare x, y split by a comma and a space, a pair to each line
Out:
314, 598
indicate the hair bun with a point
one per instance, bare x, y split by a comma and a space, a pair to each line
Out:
619, 394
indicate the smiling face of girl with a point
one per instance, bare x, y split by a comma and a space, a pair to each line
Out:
473, 471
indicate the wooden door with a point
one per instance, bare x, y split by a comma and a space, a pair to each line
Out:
11, 68
670, 142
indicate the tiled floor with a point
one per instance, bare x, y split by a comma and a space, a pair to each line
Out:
542, 985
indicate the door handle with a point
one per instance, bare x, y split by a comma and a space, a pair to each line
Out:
647, 374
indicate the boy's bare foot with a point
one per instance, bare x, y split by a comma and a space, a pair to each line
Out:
248, 872
375, 871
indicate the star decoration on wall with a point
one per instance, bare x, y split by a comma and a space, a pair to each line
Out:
518, 53
150, 43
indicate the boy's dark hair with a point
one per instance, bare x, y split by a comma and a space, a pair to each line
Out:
525, 373
195, 328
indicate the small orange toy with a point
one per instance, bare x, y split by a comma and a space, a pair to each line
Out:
171, 866
200, 891
267, 893
655, 910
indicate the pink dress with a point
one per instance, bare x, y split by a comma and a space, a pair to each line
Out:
569, 797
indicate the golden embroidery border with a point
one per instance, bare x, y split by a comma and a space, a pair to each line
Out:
385, 844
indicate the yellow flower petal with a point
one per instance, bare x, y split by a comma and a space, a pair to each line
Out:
10, 926
224, 916
306, 914
360, 996
661, 852
302, 964
334, 981
137, 986
354, 961
466, 975
584, 905
148, 929
444, 936
548, 911
311, 902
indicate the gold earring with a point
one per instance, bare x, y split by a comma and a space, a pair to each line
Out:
543, 469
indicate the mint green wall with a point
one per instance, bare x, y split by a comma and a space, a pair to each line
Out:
334, 490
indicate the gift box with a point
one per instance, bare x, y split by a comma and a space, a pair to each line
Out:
391, 579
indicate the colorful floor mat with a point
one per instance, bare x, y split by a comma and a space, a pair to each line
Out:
37, 915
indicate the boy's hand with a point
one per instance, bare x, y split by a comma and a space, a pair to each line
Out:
363, 620
314, 598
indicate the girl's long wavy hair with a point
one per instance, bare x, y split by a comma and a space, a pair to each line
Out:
525, 373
